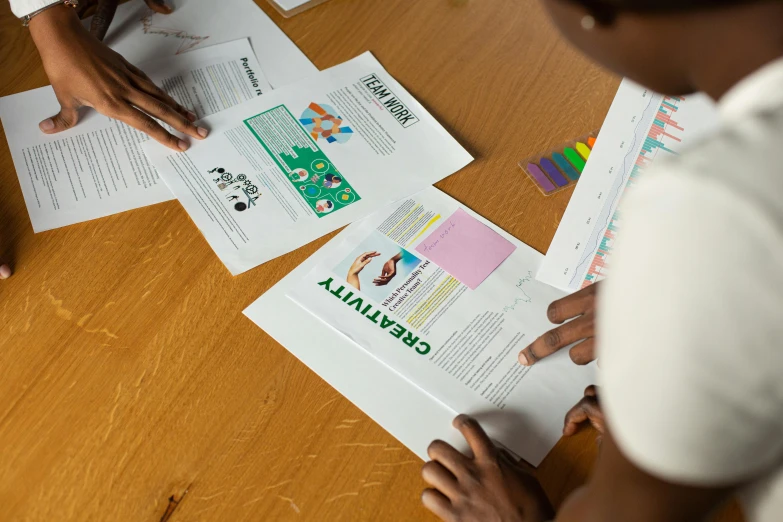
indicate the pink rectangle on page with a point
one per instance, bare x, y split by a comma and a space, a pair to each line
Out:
466, 248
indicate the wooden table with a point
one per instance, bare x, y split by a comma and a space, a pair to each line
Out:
132, 388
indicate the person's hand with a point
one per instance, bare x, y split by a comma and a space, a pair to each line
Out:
490, 486
361, 261
104, 11
85, 72
388, 271
588, 409
580, 307
5, 271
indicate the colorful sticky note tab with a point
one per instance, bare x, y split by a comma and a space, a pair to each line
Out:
554, 174
540, 177
466, 248
583, 150
574, 158
565, 166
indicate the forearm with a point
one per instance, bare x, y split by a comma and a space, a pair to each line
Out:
618, 490
577, 507
53, 26
586, 505
353, 280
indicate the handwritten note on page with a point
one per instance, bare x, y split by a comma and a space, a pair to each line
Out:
466, 248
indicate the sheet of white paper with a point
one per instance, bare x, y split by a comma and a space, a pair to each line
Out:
641, 127
98, 168
141, 35
289, 7
417, 350
306, 159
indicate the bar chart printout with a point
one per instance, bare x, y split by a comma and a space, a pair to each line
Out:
663, 127
642, 127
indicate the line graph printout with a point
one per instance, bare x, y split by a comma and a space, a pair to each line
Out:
642, 127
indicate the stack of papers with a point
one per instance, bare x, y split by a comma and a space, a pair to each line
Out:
97, 168
290, 166
289, 8
416, 312
415, 351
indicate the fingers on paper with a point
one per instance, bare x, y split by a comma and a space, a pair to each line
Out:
584, 352
142, 122
143, 83
168, 114
65, 119
438, 503
573, 305
101, 20
447, 456
557, 338
588, 409
159, 6
436, 475
477, 438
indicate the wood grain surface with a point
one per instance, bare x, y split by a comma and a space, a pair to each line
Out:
131, 386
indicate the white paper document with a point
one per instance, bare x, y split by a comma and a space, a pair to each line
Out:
641, 128
415, 349
97, 168
141, 35
292, 7
306, 159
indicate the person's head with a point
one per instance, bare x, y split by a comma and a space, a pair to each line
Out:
659, 43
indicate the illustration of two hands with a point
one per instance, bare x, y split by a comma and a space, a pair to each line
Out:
388, 271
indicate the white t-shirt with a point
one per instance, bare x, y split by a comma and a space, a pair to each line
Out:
25, 7
691, 318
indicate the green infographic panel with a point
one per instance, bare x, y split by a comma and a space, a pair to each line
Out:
296, 152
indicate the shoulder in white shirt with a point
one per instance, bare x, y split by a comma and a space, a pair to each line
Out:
691, 318
23, 8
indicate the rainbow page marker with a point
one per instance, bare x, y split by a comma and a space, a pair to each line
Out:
559, 168
583, 150
540, 178
552, 172
575, 159
566, 167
